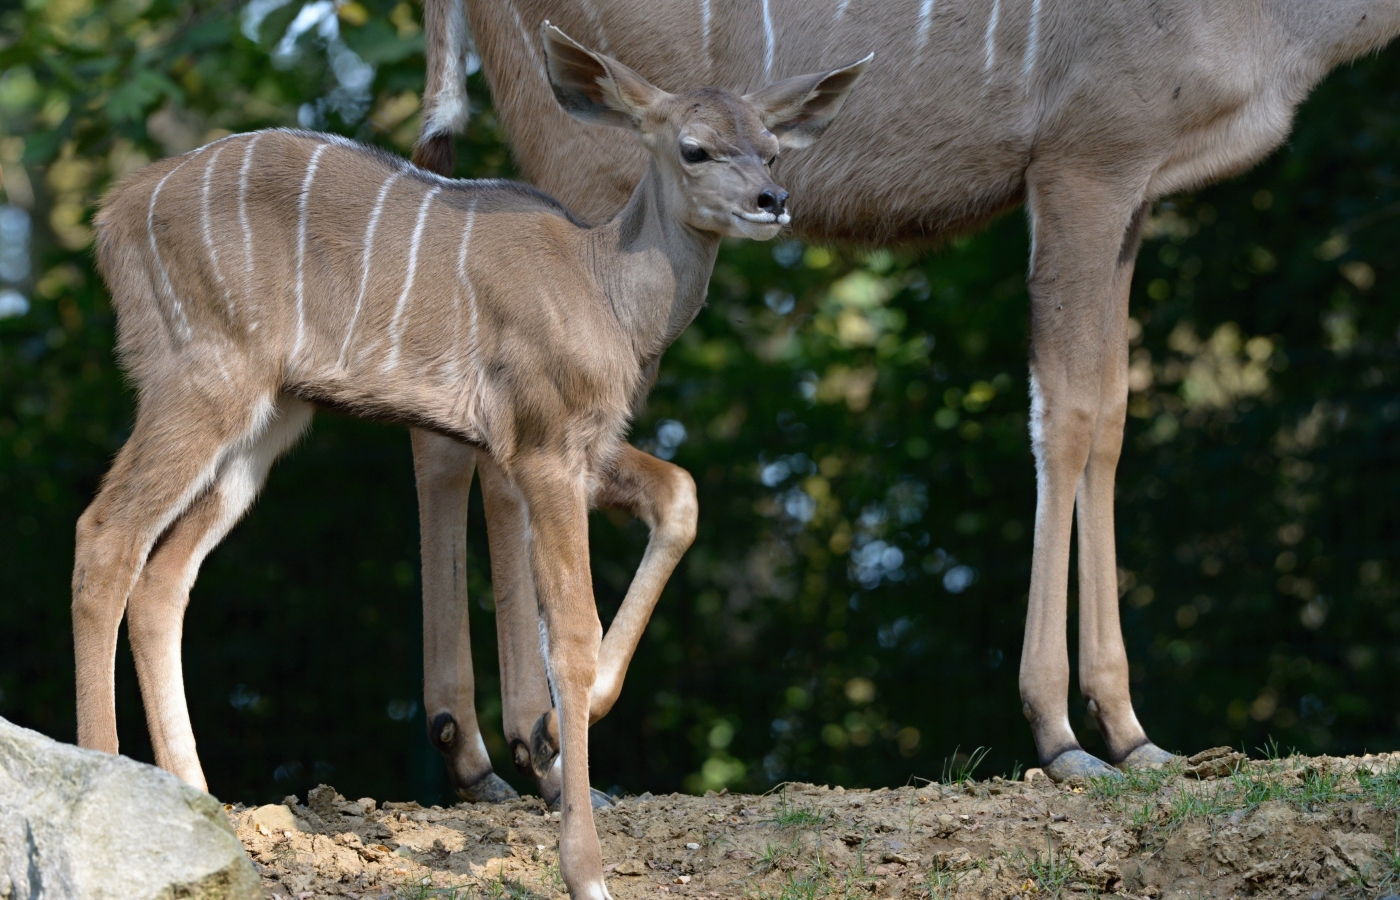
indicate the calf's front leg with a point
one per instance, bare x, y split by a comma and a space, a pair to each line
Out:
558, 514
663, 496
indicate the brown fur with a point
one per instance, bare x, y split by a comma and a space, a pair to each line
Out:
267, 272
1085, 111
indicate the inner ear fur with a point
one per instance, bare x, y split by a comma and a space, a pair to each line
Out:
797, 110
595, 88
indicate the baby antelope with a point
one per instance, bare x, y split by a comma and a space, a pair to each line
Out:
266, 273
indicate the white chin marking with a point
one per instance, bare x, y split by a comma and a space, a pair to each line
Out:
765, 218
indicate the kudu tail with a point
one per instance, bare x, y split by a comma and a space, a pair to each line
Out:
445, 107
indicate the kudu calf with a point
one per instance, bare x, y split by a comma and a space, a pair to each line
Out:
266, 273
1086, 111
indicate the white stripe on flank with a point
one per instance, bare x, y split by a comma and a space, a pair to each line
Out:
593, 18
705, 25
243, 218
302, 210
364, 269
396, 325
176, 306
992, 36
529, 42
465, 279
925, 19
208, 235
840, 11
767, 43
1032, 40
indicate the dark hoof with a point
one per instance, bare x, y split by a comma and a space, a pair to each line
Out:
600, 800
1148, 756
489, 788
1078, 764
544, 746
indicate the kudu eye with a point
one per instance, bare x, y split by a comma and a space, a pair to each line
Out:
693, 153
772, 160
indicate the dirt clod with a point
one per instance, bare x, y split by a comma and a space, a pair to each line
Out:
1289, 828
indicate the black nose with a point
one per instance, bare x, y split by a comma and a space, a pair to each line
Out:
773, 201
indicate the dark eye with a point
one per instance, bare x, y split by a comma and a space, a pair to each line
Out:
693, 153
771, 162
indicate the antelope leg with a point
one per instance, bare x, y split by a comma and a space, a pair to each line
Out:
557, 504
443, 468
1103, 660
173, 455
663, 496
156, 609
1084, 234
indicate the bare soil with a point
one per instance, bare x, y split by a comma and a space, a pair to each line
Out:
1216, 826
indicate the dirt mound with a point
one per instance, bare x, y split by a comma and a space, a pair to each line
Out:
1221, 827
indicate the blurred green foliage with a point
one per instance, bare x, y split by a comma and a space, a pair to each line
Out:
852, 609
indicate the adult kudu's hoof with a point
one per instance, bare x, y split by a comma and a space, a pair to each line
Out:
1148, 756
1078, 764
475, 786
489, 788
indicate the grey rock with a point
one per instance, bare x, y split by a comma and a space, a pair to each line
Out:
86, 825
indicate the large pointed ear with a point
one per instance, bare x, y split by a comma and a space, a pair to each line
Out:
594, 88
797, 110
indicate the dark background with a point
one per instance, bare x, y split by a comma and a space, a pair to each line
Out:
852, 609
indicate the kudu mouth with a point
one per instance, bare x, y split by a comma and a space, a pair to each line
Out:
765, 218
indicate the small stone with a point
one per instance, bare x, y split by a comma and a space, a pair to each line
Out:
1032, 775
682, 879
692, 846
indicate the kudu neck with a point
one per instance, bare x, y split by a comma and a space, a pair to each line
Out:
654, 267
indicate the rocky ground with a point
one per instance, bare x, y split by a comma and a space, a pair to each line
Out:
1218, 826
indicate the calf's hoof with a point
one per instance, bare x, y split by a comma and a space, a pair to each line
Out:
1078, 764
544, 745
1148, 756
599, 799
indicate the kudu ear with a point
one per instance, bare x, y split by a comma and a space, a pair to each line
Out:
594, 88
797, 110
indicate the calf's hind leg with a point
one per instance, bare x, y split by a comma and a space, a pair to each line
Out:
180, 439
155, 611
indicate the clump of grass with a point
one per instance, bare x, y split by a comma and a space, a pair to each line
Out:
774, 855
1049, 873
424, 889
504, 889
956, 773
807, 816
1382, 789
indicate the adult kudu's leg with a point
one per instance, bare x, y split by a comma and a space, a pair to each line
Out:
1085, 236
156, 609
443, 468
663, 496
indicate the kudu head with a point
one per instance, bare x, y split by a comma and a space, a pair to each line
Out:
714, 151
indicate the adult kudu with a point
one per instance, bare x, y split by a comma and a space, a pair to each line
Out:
1085, 111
